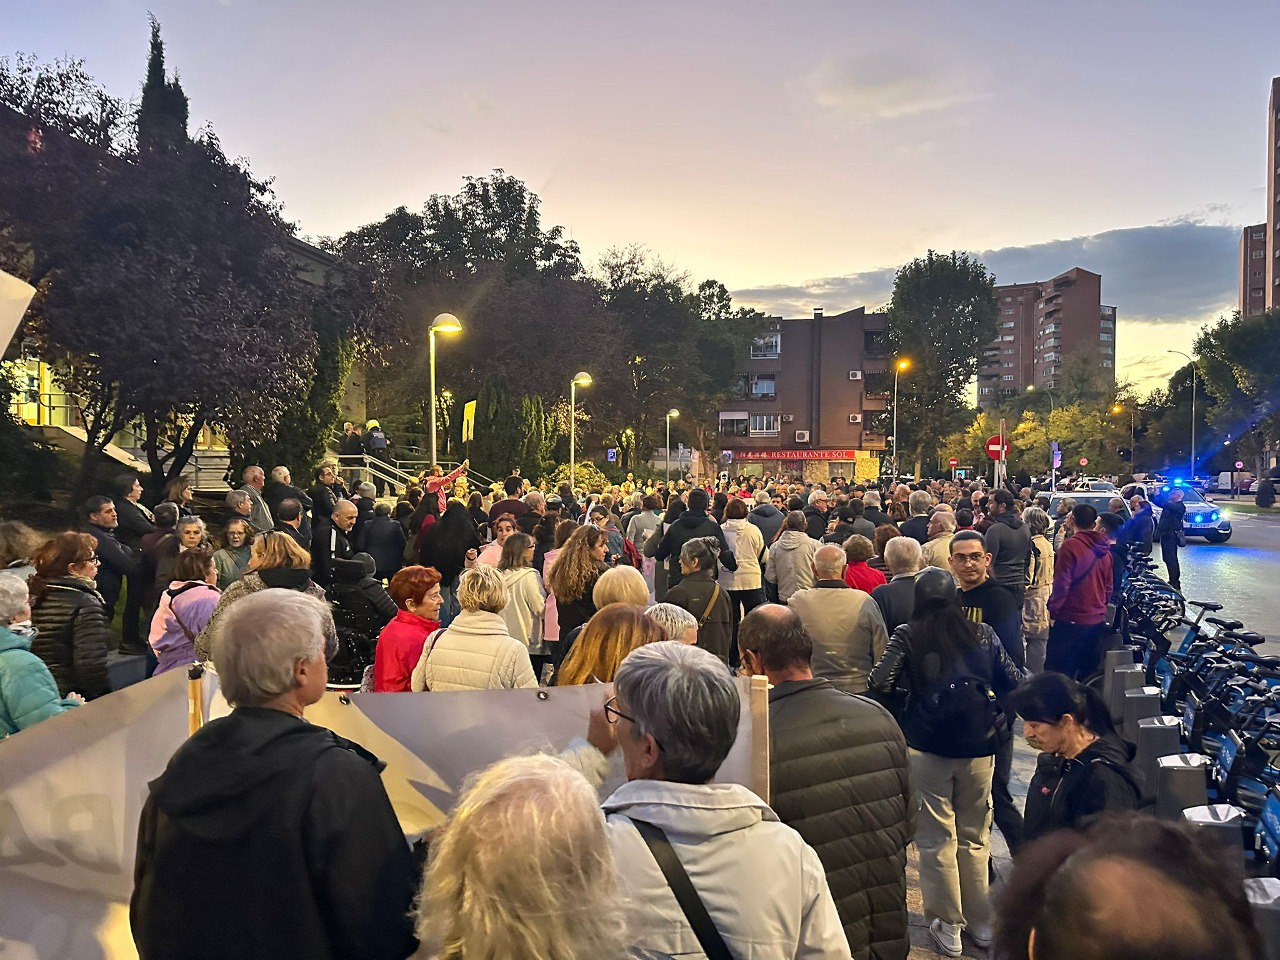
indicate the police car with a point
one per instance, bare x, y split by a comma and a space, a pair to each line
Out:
1204, 517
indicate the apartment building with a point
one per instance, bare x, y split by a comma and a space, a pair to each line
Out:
810, 399
1253, 270
1039, 324
1272, 295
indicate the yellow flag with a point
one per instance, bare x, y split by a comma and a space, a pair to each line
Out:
468, 421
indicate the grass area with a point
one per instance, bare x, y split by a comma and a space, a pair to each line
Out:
1247, 508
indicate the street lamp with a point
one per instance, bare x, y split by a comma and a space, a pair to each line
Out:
444, 323
1191, 360
1117, 409
581, 379
1031, 389
900, 367
671, 415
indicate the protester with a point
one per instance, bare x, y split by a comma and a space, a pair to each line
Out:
1140, 531
1078, 602
1129, 888
675, 709
572, 578
896, 599
503, 527
384, 540
290, 522
845, 625
526, 601
447, 548
937, 551
254, 480
677, 623
949, 667
18, 543
116, 560
884, 533
330, 540
185, 609
919, 503
522, 868
237, 505
822, 743
365, 499
28, 692
475, 651
789, 565
275, 561
181, 493
416, 592
815, 513
766, 517
1035, 608
294, 822
69, 616
700, 594
511, 504
745, 584
858, 550
872, 511
327, 492
1009, 542
161, 543
695, 522
279, 489
604, 643
233, 559
1086, 767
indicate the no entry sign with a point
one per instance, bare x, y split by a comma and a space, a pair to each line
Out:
1239, 464
1084, 461
994, 450
953, 463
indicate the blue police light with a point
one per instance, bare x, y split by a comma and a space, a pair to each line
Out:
1214, 515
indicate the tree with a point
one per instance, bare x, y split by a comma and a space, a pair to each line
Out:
164, 111
498, 441
943, 310
1238, 360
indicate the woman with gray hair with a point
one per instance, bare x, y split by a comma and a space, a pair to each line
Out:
677, 623
28, 692
700, 594
1035, 608
293, 821
675, 712
500, 881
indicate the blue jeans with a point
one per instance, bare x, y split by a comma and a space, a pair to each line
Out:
449, 606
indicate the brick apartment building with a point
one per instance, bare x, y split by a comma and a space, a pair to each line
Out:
1040, 323
807, 402
1253, 270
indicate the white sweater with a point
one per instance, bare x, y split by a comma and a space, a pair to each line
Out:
525, 603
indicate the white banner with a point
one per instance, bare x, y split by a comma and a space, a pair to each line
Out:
15, 295
72, 787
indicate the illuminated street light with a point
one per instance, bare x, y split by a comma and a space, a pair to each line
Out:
671, 415
581, 379
902, 366
444, 323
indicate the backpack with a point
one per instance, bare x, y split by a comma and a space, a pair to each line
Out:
956, 717
377, 440
632, 554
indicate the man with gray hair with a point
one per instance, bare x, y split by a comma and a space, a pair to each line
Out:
919, 503
897, 598
871, 509
238, 506
675, 712
942, 527
847, 627
824, 743
260, 515
293, 821
815, 513
537, 504
766, 516
677, 623
281, 488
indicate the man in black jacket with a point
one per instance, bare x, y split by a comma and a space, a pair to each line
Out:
815, 513
824, 743
279, 489
872, 511
288, 514
694, 522
118, 561
1008, 540
330, 540
767, 517
1169, 533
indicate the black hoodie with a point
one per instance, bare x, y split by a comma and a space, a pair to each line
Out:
1065, 794
688, 526
268, 837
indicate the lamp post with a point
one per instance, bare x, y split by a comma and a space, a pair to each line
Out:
900, 367
1031, 389
580, 379
1191, 360
1118, 409
671, 415
444, 323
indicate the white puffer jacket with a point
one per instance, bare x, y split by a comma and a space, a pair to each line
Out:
525, 604
747, 544
474, 653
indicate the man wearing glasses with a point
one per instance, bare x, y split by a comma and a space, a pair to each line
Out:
675, 717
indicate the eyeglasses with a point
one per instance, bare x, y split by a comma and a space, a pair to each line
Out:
967, 557
93, 559
612, 714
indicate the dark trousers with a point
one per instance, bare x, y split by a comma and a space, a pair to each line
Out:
1004, 810
1074, 648
1169, 553
131, 639
748, 600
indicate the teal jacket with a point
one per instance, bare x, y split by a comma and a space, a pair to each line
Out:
27, 691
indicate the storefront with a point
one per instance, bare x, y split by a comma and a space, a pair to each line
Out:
811, 465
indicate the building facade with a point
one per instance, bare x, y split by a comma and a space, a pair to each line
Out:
1253, 270
811, 399
1041, 323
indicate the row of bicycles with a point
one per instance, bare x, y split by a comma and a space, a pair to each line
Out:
1224, 692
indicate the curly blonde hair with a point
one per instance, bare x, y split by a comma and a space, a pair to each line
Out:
575, 571
522, 868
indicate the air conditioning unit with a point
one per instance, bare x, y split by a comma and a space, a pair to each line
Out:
802, 436
855, 418
788, 417
855, 374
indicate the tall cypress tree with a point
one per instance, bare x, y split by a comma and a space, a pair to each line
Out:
164, 111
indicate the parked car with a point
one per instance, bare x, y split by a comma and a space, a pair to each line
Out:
1204, 517
1100, 501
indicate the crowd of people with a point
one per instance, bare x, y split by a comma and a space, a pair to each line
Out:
904, 630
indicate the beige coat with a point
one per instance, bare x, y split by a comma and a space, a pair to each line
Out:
1035, 608
790, 563
475, 652
525, 605
747, 543
937, 552
848, 632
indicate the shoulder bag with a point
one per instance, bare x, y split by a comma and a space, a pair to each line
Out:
695, 911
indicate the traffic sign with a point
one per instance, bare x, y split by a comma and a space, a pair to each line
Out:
953, 463
613, 454
1239, 464
1084, 461
994, 450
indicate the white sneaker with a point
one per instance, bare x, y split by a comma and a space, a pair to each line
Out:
982, 936
946, 936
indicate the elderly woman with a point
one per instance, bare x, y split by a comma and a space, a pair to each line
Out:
185, 609
499, 884
275, 561
700, 594
475, 652
675, 712
677, 623
68, 615
28, 693
790, 561
233, 559
858, 550
1035, 607
883, 534
620, 585
606, 640
17, 543
294, 822
416, 591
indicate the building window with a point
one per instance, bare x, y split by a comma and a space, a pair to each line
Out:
1105, 336
1007, 338
1010, 311
986, 390
767, 347
1258, 254
1258, 234
1007, 351
733, 423
1257, 273
1009, 325
1256, 292
1007, 376
1008, 365
1107, 361
764, 386
765, 424
1008, 299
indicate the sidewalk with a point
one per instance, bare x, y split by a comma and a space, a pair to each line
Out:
1024, 765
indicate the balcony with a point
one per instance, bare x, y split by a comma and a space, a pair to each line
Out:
877, 365
875, 323
874, 441
875, 402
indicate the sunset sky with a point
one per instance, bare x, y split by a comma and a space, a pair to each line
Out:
797, 152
